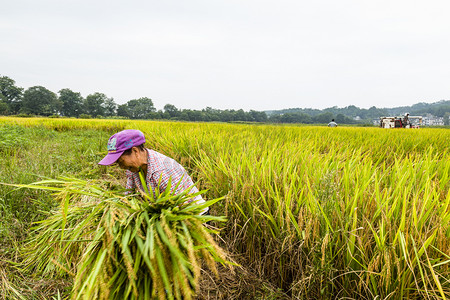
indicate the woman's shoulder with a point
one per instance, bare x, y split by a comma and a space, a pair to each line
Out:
156, 160
157, 157
152, 152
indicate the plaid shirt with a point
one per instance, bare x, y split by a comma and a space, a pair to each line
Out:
161, 166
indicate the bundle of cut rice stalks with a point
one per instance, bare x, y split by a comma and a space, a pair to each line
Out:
118, 246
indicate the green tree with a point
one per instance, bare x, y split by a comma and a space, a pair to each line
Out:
323, 118
4, 108
240, 115
304, 118
352, 111
110, 107
447, 118
72, 103
40, 101
171, 110
258, 116
184, 116
341, 119
11, 95
93, 104
123, 110
141, 108
226, 115
212, 114
194, 115
154, 115
296, 117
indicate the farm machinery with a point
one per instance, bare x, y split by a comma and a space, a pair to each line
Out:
401, 122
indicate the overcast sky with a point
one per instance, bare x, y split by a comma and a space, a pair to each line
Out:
231, 54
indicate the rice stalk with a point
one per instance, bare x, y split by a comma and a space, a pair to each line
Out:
118, 246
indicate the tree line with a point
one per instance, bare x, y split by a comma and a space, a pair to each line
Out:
346, 114
352, 114
40, 101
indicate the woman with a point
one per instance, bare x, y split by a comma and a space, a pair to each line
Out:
126, 148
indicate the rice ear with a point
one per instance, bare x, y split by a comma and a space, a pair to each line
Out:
120, 246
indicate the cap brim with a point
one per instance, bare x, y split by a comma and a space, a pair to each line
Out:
110, 158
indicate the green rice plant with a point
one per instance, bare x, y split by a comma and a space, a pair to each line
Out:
123, 246
361, 213
66, 124
336, 212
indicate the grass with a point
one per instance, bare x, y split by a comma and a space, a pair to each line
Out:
317, 213
28, 155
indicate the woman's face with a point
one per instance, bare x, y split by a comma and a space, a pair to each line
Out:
132, 161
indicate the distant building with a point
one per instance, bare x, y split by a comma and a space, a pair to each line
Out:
431, 120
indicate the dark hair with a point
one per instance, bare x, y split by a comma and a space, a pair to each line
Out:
140, 147
332, 120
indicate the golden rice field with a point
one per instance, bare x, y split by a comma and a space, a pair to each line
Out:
319, 213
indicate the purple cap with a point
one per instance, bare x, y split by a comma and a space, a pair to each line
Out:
121, 141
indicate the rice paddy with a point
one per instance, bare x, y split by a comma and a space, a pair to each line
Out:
314, 212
